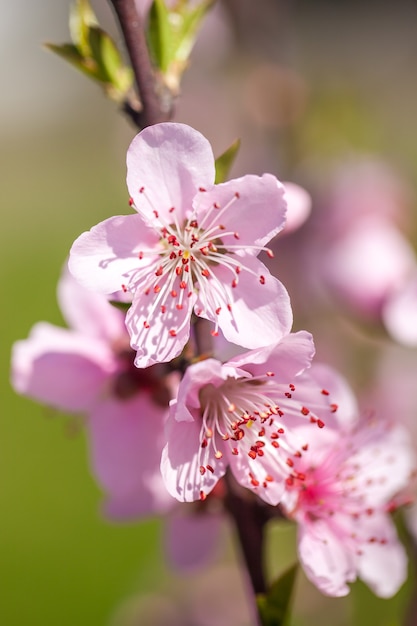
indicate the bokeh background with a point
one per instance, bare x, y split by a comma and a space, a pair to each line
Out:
305, 85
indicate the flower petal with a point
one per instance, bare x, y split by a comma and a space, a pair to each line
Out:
126, 439
385, 459
207, 371
88, 312
61, 368
298, 206
159, 336
324, 558
166, 165
105, 258
400, 313
260, 313
191, 538
286, 359
340, 394
180, 464
367, 264
252, 208
383, 566
252, 475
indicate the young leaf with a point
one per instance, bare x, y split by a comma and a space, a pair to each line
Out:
94, 53
82, 18
160, 35
188, 27
171, 36
225, 161
70, 53
274, 606
105, 54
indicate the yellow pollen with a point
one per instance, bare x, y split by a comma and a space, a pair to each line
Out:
186, 254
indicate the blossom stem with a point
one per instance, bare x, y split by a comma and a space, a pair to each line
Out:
132, 25
202, 337
250, 516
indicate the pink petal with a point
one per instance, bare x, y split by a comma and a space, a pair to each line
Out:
244, 469
88, 312
61, 368
400, 314
158, 337
105, 258
340, 393
192, 537
143, 6
383, 566
386, 460
325, 559
286, 359
260, 313
126, 440
367, 264
180, 464
256, 212
169, 162
298, 206
208, 371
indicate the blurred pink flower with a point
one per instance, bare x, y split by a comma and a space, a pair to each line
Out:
213, 597
244, 414
89, 369
298, 206
367, 264
399, 313
341, 501
191, 245
364, 187
143, 6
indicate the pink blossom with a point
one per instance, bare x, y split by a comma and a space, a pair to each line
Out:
193, 534
298, 206
364, 267
244, 414
341, 500
400, 313
89, 369
143, 6
192, 245
365, 187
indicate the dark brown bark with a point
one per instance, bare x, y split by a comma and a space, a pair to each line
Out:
154, 106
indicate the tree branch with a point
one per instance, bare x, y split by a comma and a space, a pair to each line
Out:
250, 516
154, 107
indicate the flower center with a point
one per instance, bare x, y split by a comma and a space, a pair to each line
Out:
249, 417
130, 380
185, 259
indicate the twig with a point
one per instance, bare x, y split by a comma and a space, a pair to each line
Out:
250, 516
154, 108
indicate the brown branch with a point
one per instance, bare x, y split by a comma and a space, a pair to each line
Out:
250, 516
154, 108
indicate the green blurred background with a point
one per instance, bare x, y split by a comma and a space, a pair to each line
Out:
352, 87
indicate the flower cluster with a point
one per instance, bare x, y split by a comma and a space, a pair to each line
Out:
167, 421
